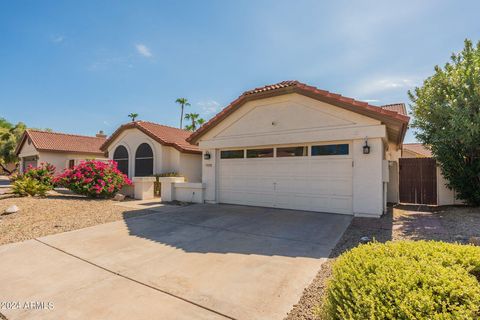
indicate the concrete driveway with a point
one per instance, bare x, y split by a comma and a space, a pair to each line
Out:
193, 262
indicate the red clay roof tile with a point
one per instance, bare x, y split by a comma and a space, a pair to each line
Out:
62, 142
292, 86
418, 148
164, 135
396, 107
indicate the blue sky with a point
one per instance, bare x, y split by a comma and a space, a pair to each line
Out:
82, 66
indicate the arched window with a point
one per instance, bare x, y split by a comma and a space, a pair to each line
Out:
144, 161
121, 157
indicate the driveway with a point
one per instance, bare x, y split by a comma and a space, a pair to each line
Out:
193, 262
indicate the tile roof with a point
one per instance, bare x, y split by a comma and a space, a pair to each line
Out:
418, 148
61, 142
396, 107
164, 135
293, 86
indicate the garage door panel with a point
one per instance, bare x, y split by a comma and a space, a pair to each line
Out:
314, 203
302, 183
340, 187
247, 198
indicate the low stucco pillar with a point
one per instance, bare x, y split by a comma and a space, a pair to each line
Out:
143, 188
167, 188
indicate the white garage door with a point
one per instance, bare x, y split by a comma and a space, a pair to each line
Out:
314, 183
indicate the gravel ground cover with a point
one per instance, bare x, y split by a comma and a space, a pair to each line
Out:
400, 223
58, 212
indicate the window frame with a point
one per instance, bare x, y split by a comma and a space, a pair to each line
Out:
144, 157
125, 160
312, 153
304, 147
233, 150
256, 149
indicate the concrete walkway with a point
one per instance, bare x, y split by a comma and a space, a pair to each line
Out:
194, 262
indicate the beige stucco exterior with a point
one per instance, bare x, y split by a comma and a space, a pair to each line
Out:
166, 158
59, 159
295, 119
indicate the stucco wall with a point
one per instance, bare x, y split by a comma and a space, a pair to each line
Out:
368, 191
166, 158
445, 196
392, 154
292, 119
191, 167
28, 149
60, 160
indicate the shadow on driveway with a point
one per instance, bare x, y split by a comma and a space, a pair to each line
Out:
240, 229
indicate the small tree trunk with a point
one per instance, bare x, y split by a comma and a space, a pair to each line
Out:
5, 169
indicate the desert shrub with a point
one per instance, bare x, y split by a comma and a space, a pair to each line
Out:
94, 179
44, 174
405, 280
27, 186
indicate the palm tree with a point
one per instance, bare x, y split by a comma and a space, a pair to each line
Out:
183, 102
196, 120
133, 116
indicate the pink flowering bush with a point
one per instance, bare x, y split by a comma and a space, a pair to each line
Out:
94, 179
44, 174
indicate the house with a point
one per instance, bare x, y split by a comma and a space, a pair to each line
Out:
59, 149
415, 150
418, 162
144, 149
294, 146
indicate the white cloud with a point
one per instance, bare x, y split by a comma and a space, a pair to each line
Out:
382, 84
209, 107
143, 50
370, 100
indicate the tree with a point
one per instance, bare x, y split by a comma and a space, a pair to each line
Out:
196, 121
133, 116
183, 102
10, 135
446, 110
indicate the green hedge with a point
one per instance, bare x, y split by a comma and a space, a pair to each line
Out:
405, 280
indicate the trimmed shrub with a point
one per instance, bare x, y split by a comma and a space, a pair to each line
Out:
94, 179
405, 280
44, 174
26, 186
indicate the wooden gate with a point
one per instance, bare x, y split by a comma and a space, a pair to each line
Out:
418, 180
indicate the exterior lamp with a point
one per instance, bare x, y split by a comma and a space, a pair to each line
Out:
366, 147
206, 155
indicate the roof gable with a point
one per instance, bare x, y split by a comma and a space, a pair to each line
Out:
396, 123
279, 115
61, 142
167, 136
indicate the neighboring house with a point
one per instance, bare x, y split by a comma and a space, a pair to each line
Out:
415, 150
294, 146
444, 195
144, 149
59, 149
